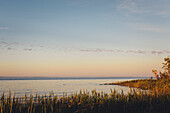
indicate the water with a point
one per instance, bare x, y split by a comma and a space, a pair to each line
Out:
42, 86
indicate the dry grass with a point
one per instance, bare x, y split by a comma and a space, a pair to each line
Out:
84, 102
160, 86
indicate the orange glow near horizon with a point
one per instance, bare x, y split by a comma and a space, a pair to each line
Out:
115, 66
83, 38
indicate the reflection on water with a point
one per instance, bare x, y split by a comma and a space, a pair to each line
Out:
42, 87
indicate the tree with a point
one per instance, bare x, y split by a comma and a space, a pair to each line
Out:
166, 67
155, 73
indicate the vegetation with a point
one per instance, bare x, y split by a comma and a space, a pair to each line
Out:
84, 102
159, 86
166, 67
94, 102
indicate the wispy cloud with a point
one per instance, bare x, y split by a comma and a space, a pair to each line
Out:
152, 7
4, 28
12, 46
141, 13
27, 49
8, 44
128, 5
96, 50
3, 42
153, 52
9, 48
149, 27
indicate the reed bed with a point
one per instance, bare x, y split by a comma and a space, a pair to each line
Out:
88, 102
159, 86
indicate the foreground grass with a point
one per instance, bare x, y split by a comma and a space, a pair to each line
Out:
84, 102
159, 86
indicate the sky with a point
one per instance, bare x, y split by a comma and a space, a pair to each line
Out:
83, 38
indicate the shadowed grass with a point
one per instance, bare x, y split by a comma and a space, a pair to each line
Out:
84, 102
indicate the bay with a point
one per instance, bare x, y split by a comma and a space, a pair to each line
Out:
45, 85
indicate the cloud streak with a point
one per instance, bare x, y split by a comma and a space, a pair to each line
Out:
3, 42
10, 46
4, 28
138, 10
144, 52
151, 7
149, 27
27, 49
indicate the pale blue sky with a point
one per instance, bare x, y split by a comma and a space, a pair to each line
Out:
83, 29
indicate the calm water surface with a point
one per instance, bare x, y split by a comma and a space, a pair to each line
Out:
42, 87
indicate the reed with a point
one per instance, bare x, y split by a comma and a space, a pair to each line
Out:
86, 102
159, 86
